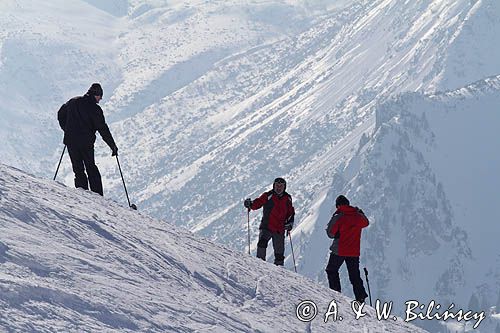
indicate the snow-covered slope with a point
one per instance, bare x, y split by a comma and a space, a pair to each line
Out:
71, 261
211, 100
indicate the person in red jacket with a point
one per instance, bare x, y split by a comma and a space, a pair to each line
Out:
345, 228
278, 216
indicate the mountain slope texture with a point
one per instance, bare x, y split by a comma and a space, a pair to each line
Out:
71, 261
393, 103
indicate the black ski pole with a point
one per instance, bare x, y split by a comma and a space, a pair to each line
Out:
57, 170
368, 284
248, 223
134, 207
293, 255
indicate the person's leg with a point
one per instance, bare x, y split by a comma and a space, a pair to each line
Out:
332, 271
92, 170
264, 237
355, 278
279, 248
76, 158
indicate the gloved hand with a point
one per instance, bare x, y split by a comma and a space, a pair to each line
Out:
248, 203
289, 222
114, 151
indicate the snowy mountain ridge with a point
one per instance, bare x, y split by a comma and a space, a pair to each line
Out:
435, 211
209, 101
72, 261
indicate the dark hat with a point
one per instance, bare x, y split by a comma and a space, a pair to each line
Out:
95, 90
341, 200
280, 181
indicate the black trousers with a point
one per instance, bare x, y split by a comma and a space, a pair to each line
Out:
278, 245
332, 270
82, 159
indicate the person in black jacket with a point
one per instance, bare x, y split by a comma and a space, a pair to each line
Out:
80, 118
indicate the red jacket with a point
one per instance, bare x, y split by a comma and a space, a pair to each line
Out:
278, 210
345, 227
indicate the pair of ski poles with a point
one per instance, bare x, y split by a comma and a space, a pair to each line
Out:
288, 233
133, 206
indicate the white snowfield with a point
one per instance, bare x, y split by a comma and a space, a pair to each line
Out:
72, 261
392, 103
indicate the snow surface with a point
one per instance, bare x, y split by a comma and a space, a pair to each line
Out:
211, 100
72, 261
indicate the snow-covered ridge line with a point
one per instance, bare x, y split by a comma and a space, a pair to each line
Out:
402, 103
484, 86
72, 261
